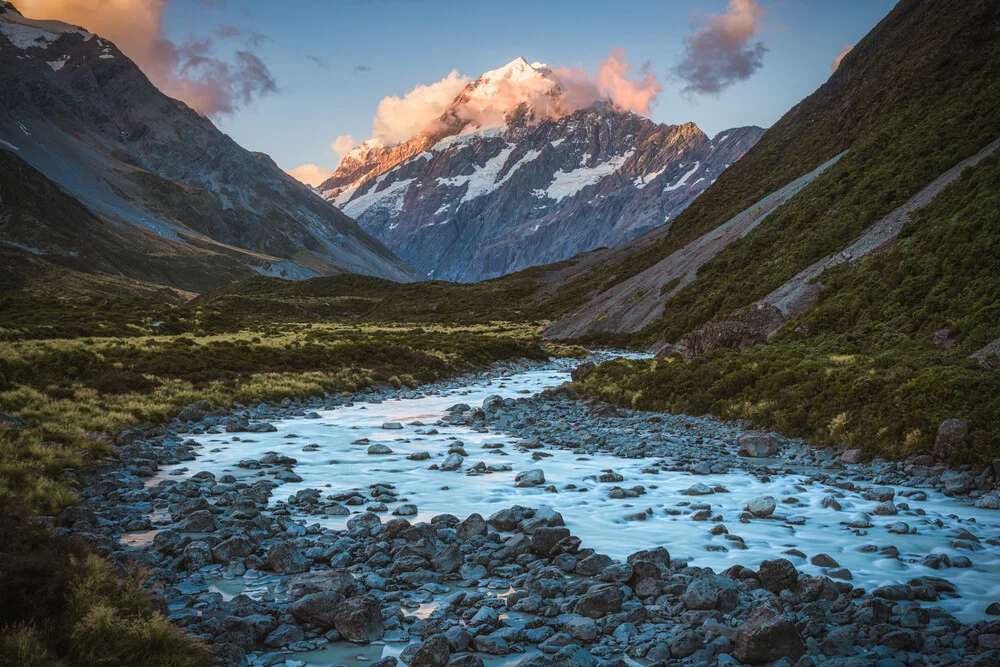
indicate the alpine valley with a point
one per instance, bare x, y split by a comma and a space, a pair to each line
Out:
512, 175
544, 384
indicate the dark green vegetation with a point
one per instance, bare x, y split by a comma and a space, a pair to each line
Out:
913, 98
64, 605
862, 368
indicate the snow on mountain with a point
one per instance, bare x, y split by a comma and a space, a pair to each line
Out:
510, 176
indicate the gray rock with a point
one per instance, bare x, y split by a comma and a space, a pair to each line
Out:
378, 449
319, 609
762, 507
758, 445
284, 558
359, 620
767, 635
529, 478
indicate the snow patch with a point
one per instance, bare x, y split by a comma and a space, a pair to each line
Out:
556, 143
25, 33
566, 184
684, 178
642, 181
8, 146
57, 65
389, 200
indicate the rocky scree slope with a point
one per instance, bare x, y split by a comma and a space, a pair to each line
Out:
80, 121
471, 199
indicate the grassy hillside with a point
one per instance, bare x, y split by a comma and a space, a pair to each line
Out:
915, 96
881, 359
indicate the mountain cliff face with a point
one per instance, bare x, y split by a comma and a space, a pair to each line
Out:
78, 114
481, 195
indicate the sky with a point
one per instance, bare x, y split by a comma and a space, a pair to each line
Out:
302, 80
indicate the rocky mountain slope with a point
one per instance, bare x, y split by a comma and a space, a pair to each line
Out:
895, 122
840, 281
103, 173
479, 196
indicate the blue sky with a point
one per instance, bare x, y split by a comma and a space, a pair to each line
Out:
368, 49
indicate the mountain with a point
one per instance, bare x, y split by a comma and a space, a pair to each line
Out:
511, 175
840, 282
850, 163
101, 172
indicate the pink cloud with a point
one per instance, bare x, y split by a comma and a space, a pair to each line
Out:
310, 174
399, 118
840, 56
188, 72
722, 52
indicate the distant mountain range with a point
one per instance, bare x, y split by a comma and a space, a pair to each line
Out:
102, 173
511, 176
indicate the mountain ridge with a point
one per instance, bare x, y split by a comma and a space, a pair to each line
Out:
480, 193
82, 114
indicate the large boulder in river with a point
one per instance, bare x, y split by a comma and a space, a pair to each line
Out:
284, 558
950, 436
359, 620
762, 507
319, 609
545, 539
433, 652
600, 601
778, 574
237, 546
767, 635
758, 445
529, 478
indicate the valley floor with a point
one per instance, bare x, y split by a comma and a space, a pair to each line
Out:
301, 533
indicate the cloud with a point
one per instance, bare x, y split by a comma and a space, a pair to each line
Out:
840, 56
188, 71
362, 70
310, 174
612, 83
342, 144
399, 118
320, 62
722, 52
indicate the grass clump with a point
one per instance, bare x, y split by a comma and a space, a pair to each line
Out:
64, 605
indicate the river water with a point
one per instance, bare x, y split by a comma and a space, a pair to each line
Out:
804, 524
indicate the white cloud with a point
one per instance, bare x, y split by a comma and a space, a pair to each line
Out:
399, 118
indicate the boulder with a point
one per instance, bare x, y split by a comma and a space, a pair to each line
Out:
433, 652
767, 635
777, 575
529, 478
600, 601
237, 546
359, 620
762, 507
950, 436
758, 445
319, 609
284, 558
545, 539
712, 592
472, 526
